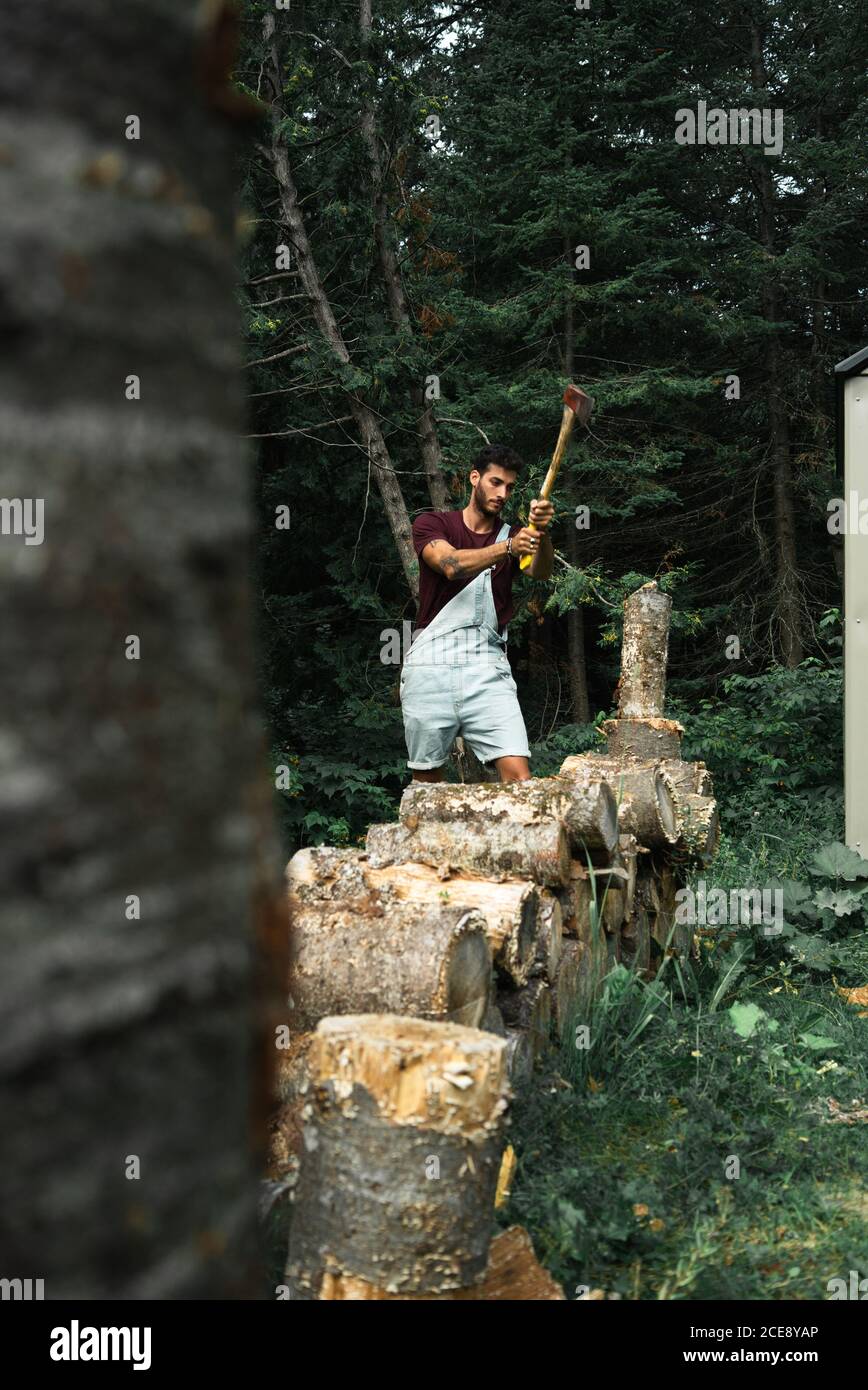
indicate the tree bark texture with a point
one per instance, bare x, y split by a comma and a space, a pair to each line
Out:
376, 956
136, 816
366, 421
513, 909
402, 1154
646, 804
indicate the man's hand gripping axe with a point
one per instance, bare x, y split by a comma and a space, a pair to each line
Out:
577, 405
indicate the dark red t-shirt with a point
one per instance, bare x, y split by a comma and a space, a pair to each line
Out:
434, 590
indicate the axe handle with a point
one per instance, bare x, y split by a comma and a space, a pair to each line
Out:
567, 422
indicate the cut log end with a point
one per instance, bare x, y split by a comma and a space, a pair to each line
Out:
414, 1069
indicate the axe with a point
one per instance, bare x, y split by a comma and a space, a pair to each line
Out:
576, 403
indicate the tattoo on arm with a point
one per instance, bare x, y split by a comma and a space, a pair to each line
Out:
446, 564
450, 565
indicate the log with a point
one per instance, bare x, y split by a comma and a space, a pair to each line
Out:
584, 805
519, 1057
550, 936
644, 653
704, 780
613, 950
629, 853
577, 901
497, 851
688, 777
401, 1159
291, 1081
529, 1009
700, 826
432, 963
292, 1068
613, 910
565, 993
636, 939
513, 1275
285, 1141
643, 791
668, 885
513, 909
647, 740
493, 1021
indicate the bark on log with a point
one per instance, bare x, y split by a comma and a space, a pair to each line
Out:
583, 902
613, 910
433, 963
584, 804
613, 949
292, 1072
643, 792
565, 993
285, 1141
630, 854
668, 885
576, 902
395, 1104
647, 740
700, 822
493, 1021
551, 936
513, 1275
513, 909
644, 653
636, 939
519, 1057
291, 1084
688, 777
496, 850
529, 1009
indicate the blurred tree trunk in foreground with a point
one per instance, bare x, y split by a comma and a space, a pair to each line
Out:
135, 815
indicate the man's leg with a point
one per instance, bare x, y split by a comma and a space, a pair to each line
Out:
513, 769
431, 774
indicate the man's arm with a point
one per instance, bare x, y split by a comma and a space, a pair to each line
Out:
465, 564
454, 564
543, 563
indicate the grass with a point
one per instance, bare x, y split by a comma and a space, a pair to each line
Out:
673, 1158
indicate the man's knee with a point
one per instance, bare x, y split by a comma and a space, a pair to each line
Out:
513, 769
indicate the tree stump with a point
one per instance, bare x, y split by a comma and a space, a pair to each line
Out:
402, 1153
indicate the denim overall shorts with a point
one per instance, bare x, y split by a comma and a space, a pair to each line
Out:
456, 680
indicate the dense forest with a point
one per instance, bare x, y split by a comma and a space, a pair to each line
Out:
452, 211
455, 211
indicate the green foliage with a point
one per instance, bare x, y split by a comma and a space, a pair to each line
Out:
770, 739
625, 1174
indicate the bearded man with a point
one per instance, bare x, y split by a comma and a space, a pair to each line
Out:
456, 677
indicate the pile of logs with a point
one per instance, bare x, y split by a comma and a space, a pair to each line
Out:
432, 969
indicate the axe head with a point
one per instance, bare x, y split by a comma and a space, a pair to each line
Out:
579, 402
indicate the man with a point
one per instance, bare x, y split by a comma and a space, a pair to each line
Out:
456, 677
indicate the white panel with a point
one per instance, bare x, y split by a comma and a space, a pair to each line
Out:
856, 614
